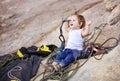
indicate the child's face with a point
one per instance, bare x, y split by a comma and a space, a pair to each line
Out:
73, 23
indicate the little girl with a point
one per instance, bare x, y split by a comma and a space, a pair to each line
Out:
77, 32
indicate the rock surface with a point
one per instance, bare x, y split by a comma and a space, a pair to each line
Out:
27, 22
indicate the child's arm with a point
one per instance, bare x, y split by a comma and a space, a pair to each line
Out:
86, 29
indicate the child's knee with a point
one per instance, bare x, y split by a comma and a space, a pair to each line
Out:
69, 59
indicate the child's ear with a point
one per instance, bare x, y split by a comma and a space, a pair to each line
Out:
81, 24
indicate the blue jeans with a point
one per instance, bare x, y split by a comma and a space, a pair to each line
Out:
67, 56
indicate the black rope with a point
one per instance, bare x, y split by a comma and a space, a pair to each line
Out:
61, 37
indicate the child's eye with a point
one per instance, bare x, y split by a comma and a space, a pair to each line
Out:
73, 20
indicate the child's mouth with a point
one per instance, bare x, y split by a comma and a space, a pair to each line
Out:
71, 24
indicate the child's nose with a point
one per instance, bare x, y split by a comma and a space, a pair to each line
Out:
68, 20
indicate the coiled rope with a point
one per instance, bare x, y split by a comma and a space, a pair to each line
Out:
62, 74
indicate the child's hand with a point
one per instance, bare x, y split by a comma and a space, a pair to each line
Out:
89, 23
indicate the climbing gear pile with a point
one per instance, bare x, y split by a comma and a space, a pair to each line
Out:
44, 51
23, 64
87, 53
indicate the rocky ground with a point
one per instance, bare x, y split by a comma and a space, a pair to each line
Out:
28, 22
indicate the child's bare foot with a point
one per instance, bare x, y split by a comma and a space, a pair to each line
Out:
56, 66
59, 66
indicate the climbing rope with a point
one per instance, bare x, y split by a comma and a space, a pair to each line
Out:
100, 27
107, 48
62, 74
